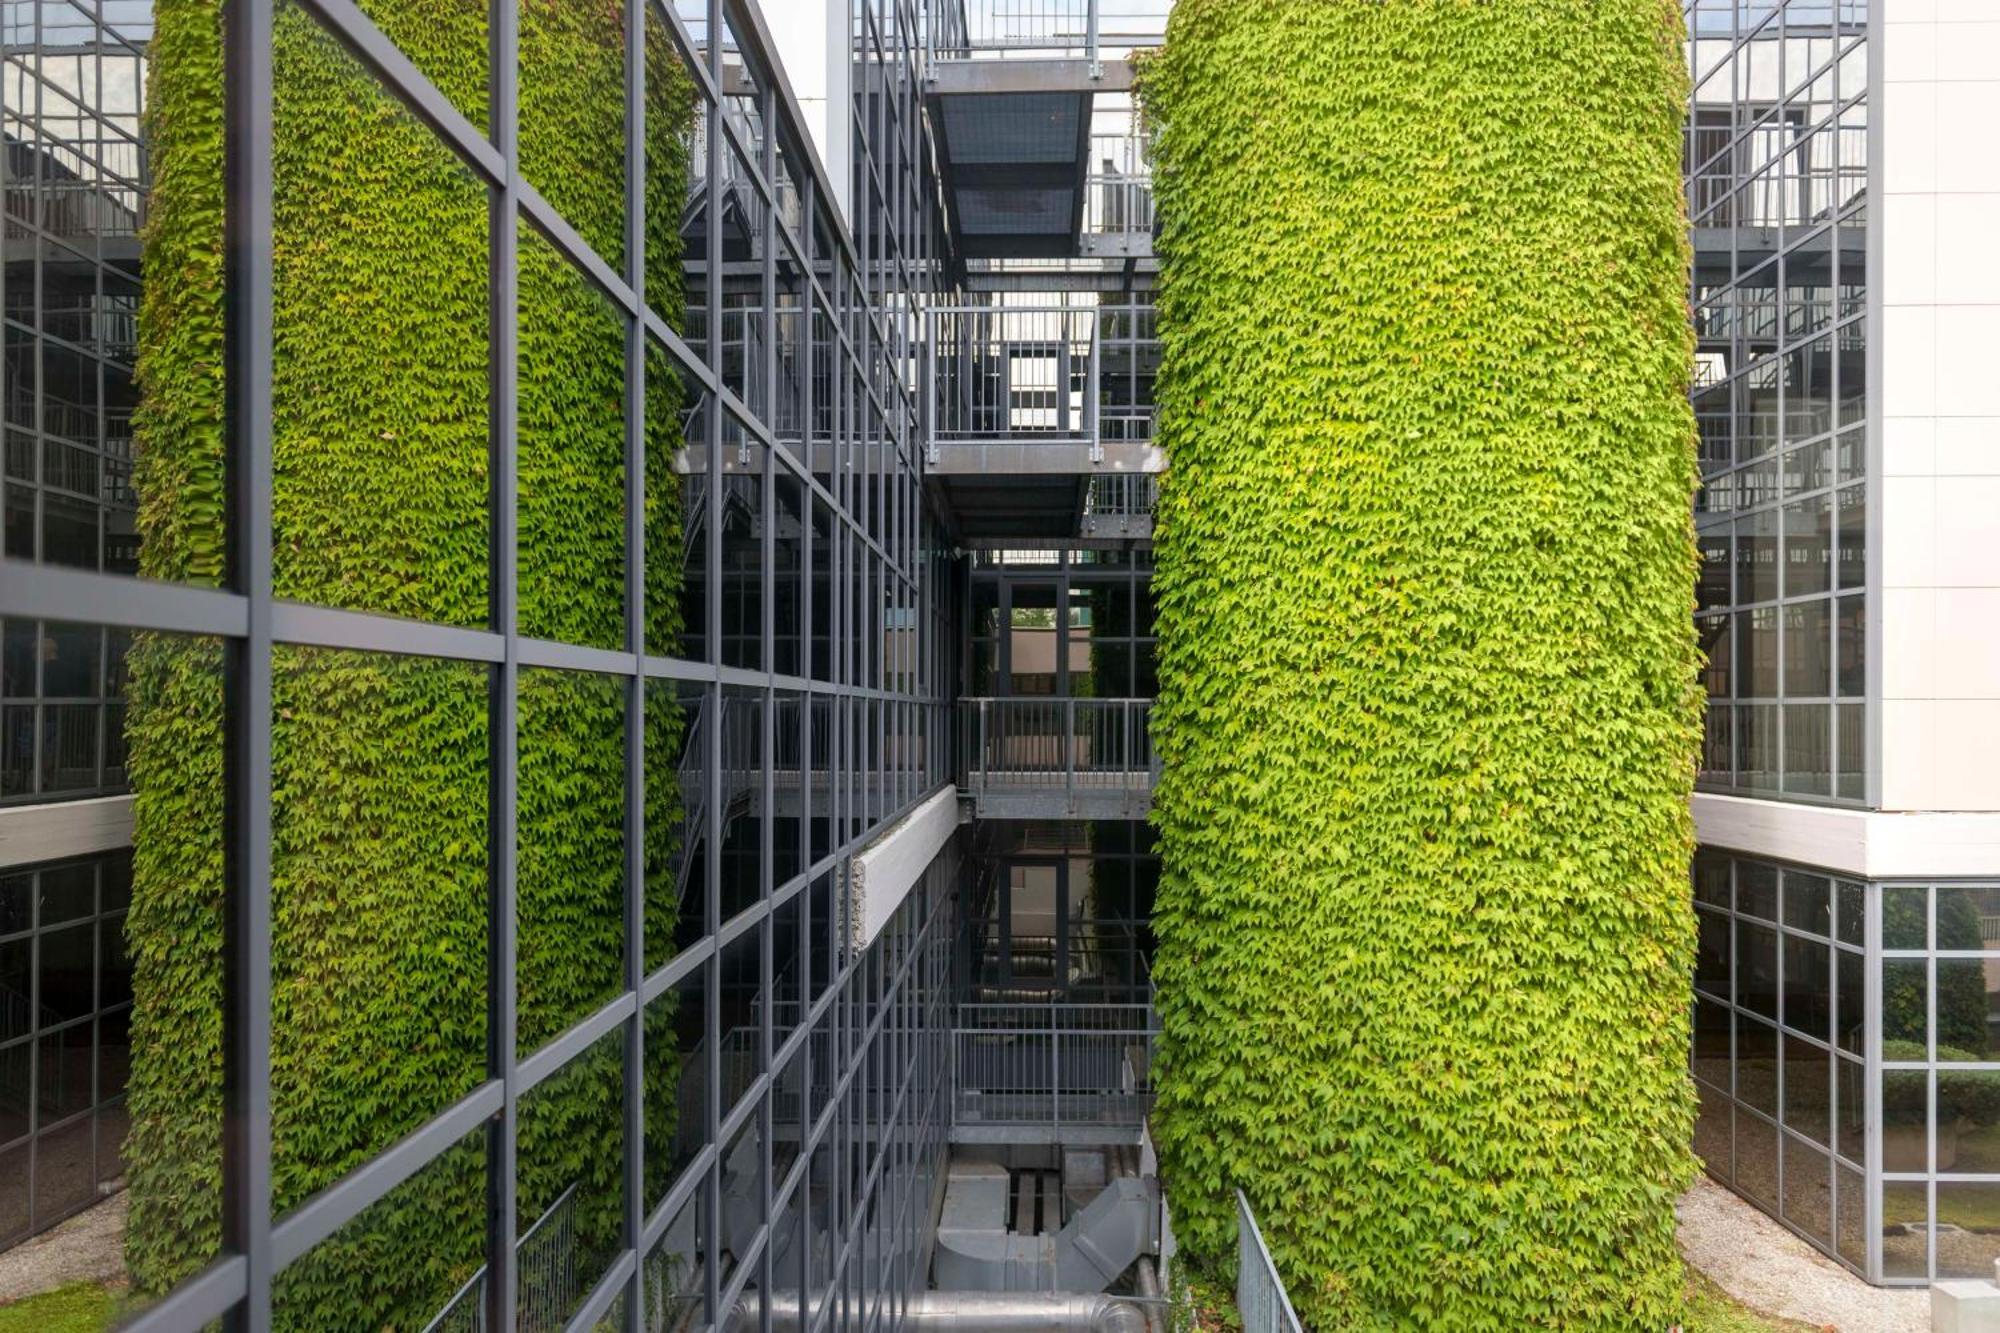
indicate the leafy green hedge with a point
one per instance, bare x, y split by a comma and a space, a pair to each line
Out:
380, 764
1428, 709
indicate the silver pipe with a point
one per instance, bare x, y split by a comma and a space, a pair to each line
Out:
970, 1312
1022, 1312
1146, 1283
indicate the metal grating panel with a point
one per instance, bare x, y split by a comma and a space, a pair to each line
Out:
1001, 212
995, 128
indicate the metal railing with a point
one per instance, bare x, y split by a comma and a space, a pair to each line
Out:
1013, 374
981, 27
1260, 1292
1118, 495
549, 1283
1053, 1065
1117, 203
1074, 744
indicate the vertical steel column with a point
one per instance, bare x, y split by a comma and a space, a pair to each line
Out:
635, 642
767, 107
1069, 753
1090, 382
713, 759
1126, 767
1055, 1070
502, 1008
248, 306
1871, 1051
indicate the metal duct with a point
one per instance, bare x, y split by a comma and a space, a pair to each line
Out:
971, 1312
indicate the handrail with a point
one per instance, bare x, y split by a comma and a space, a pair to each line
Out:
997, 27
1051, 1065
1075, 745
1260, 1292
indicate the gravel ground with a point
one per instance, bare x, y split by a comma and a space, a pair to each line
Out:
89, 1247
1766, 1267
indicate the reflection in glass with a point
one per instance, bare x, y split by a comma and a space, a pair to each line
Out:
380, 485
1968, 1228
1905, 1228
1808, 1203
570, 863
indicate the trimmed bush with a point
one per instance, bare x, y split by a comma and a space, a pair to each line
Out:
380, 764
1428, 702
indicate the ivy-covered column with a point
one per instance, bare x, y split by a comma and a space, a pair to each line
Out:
1429, 709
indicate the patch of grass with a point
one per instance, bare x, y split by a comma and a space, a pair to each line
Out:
80, 1307
1710, 1309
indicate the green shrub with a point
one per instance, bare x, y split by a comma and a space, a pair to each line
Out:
380, 764
1428, 705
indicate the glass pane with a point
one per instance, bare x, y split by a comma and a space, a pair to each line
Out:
1905, 1120
412, 1257
1806, 902
1969, 1121
1905, 917
1757, 888
380, 484
1808, 1201
741, 1017
1905, 1229
1850, 1018
678, 724
570, 862
569, 1212
1711, 969
673, 1271
1968, 1229
1905, 1009
1808, 987
1850, 1238
1961, 920
1712, 1131
1757, 1159
173, 1154
1964, 1007
677, 1108
1757, 1065
572, 453
572, 117
1757, 968
743, 805
379, 923
1808, 1089
676, 508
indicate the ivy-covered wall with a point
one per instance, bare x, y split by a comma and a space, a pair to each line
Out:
380, 764
1428, 701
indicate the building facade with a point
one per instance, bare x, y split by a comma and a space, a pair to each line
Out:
775, 396
1848, 975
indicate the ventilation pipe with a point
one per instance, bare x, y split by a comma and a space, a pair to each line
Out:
972, 1312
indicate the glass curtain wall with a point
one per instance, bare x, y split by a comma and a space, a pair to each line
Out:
65, 1038
1776, 167
538, 604
1940, 986
1813, 993
1779, 1051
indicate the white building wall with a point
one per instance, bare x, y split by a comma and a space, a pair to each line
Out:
1939, 405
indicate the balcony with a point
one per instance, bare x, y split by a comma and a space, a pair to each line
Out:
1011, 86
1016, 428
1052, 1073
1057, 758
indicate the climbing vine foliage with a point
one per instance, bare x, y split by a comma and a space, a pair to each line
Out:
380, 847
1428, 704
